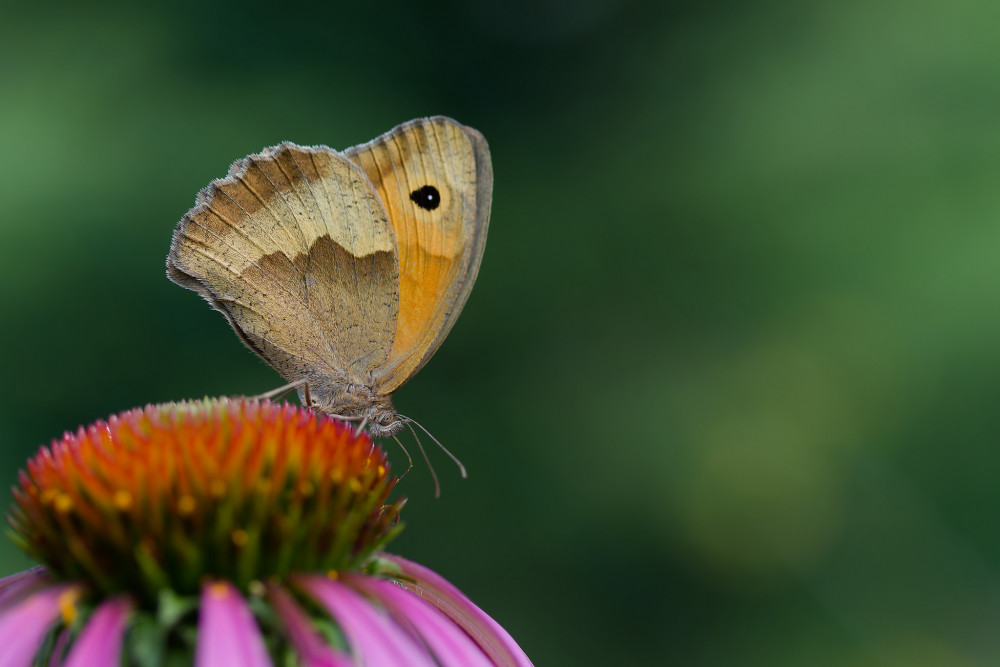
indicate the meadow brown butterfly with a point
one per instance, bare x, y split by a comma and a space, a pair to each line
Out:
344, 270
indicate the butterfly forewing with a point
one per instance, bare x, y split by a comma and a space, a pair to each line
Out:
435, 179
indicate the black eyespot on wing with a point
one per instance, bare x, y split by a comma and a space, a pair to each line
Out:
426, 197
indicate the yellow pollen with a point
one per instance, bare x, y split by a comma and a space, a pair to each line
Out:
381, 470
355, 485
306, 488
48, 495
332, 574
67, 604
186, 505
63, 503
123, 500
240, 537
337, 476
217, 488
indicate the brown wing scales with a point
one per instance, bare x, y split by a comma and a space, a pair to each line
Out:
308, 280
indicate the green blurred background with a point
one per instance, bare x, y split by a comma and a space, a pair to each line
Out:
727, 385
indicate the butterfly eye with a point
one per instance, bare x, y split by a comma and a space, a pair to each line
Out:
426, 197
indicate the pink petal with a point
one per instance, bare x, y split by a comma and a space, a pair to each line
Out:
227, 633
24, 625
449, 644
59, 648
309, 645
100, 643
373, 637
12, 587
432, 587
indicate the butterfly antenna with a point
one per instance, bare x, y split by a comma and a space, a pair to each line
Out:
461, 467
408, 457
437, 484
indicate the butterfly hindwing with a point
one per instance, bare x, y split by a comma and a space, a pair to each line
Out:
296, 250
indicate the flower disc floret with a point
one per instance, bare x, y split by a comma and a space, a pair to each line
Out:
163, 497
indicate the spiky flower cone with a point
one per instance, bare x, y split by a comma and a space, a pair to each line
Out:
221, 531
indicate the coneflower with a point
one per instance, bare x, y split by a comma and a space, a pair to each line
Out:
225, 532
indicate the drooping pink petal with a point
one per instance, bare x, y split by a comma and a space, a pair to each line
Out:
309, 645
228, 636
59, 648
100, 643
373, 637
491, 637
24, 625
449, 644
12, 587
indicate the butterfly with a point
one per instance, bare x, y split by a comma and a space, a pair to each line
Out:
344, 270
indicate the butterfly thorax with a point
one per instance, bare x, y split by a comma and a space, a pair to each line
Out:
355, 401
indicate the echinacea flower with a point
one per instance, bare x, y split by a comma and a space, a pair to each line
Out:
225, 532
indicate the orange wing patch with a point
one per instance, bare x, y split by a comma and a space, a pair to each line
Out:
434, 244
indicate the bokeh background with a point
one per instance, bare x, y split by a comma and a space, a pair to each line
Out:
728, 384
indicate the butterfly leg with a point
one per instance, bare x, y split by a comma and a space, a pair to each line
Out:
364, 422
279, 392
408, 457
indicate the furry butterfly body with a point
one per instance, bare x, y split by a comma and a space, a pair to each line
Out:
344, 270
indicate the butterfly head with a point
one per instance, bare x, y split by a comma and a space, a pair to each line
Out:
385, 424
356, 402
